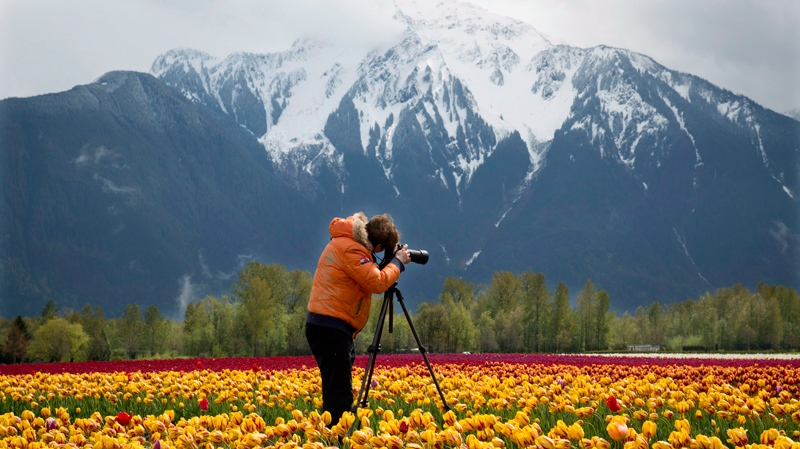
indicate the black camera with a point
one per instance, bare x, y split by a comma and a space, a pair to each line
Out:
419, 256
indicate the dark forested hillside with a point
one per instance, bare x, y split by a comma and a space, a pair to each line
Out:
123, 191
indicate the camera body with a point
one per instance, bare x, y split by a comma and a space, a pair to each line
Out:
419, 256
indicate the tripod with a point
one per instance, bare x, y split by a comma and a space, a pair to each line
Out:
374, 348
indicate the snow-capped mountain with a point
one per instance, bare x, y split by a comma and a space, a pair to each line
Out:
462, 81
452, 65
493, 146
472, 79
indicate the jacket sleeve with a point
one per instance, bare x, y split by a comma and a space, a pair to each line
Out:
360, 267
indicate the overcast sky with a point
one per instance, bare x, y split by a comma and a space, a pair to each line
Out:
750, 47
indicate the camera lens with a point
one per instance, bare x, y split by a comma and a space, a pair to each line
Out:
418, 256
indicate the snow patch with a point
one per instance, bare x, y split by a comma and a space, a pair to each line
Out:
446, 257
682, 124
472, 259
682, 242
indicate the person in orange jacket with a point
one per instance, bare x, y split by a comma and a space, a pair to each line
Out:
344, 282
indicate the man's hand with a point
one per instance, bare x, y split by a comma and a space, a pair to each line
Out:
402, 255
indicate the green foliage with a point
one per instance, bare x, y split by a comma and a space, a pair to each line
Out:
58, 340
262, 291
562, 321
265, 315
130, 331
96, 326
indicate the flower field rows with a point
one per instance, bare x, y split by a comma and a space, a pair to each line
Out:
494, 401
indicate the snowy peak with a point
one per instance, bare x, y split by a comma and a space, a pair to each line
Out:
473, 34
469, 79
283, 98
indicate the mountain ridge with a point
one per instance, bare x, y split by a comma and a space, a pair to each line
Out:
491, 151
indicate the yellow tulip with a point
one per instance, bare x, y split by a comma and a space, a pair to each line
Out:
769, 436
575, 432
649, 429
617, 430
737, 437
639, 442
682, 425
679, 439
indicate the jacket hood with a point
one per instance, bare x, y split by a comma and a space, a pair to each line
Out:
354, 226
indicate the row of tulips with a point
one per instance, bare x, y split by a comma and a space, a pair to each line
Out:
393, 361
492, 402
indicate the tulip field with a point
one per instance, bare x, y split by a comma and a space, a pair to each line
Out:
494, 401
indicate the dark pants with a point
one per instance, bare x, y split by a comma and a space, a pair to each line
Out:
335, 354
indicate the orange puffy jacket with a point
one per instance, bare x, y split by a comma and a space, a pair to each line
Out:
346, 275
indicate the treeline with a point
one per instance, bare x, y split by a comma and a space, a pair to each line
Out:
519, 314
265, 314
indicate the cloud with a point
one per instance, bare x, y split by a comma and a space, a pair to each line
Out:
750, 47
784, 236
186, 293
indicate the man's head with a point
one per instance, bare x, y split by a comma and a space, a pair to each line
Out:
381, 232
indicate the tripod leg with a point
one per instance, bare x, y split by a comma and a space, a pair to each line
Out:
422, 349
373, 352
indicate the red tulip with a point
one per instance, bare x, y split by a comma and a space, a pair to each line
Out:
613, 404
203, 404
124, 418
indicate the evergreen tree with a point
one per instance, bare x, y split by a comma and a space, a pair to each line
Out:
654, 318
155, 330
561, 319
642, 326
16, 348
197, 329
50, 311
601, 327
130, 331
96, 327
586, 317
536, 303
